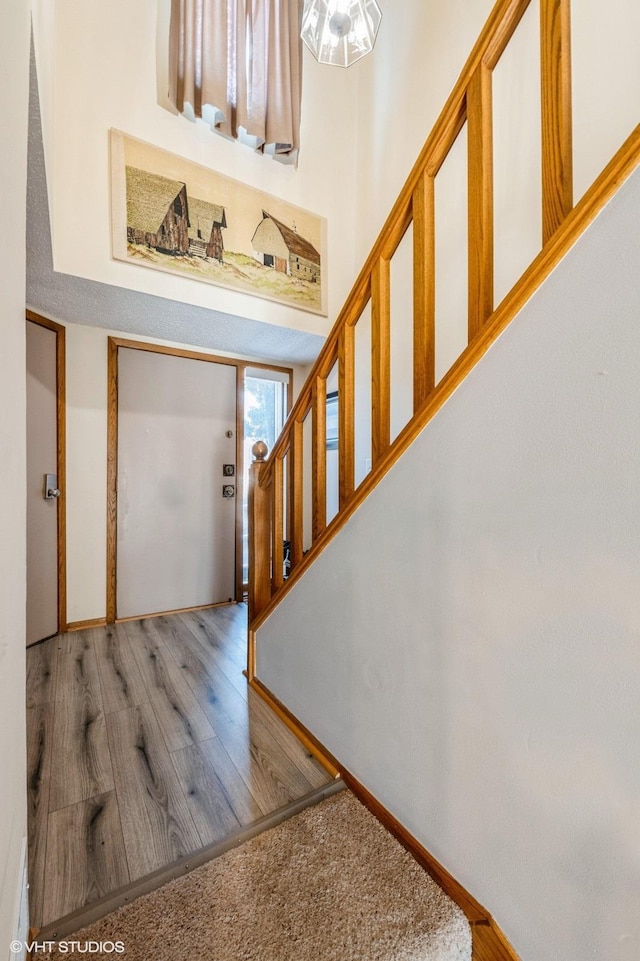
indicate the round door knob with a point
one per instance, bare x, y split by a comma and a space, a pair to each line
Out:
53, 492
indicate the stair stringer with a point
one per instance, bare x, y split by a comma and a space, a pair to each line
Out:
467, 644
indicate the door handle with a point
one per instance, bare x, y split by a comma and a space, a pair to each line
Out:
51, 489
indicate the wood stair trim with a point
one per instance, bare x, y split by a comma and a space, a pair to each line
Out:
498, 30
625, 161
488, 941
490, 944
306, 737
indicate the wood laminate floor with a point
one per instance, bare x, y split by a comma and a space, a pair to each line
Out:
144, 745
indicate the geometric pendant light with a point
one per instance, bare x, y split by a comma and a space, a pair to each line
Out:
340, 31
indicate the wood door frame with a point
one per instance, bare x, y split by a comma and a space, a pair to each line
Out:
114, 344
242, 384
61, 466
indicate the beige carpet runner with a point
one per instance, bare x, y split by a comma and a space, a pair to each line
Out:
327, 885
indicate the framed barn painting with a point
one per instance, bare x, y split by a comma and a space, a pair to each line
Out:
174, 215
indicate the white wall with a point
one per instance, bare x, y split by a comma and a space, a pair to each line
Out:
362, 130
43, 19
86, 472
421, 49
87, 467
468, 645
104, 58
606, 82
14, 56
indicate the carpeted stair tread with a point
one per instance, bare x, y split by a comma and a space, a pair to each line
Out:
330, 884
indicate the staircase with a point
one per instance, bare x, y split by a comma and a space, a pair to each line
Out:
372, 645
283, 484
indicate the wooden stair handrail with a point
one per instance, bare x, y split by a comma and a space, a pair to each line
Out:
497, 32
470, 102
502, 22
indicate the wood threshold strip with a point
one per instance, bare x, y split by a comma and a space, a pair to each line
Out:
151, 882
602, 190
489, 943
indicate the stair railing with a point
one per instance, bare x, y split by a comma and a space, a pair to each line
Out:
276, 484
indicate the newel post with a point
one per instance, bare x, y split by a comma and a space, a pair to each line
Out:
259, 535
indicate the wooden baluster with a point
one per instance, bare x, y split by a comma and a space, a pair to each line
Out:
380, 360
277, 525
424, 290
480, 174
557, 137
346, 413
319, 456
296, 492
259, 535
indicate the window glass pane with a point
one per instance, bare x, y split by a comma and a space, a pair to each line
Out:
264, 409
332, 441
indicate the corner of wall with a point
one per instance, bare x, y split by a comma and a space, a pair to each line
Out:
14, 52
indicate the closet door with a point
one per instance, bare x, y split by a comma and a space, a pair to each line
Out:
42, 496
175, 529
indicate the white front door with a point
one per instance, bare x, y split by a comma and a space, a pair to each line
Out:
175, 527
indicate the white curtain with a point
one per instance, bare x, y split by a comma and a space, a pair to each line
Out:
238, 64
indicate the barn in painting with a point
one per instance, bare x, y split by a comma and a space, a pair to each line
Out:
278, 246
157, 212
206, 223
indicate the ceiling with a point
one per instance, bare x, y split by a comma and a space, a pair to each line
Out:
79, 301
